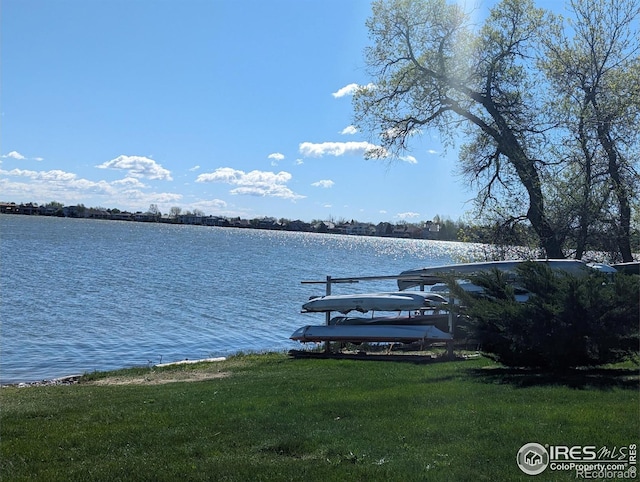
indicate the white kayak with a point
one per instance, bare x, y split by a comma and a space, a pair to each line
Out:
395, 301
428, 318
370, 333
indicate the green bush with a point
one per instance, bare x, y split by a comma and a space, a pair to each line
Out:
567, 321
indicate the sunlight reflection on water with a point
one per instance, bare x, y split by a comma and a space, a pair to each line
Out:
84, 295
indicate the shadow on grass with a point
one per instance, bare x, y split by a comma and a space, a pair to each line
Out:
366, 356
579, 378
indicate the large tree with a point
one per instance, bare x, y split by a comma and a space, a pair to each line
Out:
595, 75
433, 69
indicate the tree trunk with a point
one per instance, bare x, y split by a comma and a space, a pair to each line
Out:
536, 215
623, 231
509, 146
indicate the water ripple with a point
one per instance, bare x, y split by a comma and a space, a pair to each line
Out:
84, 295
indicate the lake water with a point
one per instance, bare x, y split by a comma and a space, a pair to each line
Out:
83, 295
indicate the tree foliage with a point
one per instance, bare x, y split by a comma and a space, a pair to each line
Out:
594, 75
502, 87
566, 322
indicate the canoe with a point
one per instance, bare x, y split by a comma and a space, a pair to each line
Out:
395, 301
369, 333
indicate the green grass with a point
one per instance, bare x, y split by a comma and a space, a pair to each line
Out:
275, 418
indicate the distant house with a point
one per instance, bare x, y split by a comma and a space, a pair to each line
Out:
298, 225
433, 227
190, 219
9, 208
430, 230
360, 229
122, 216
94, 213
401, 231
239, 223
324, 227
267, 223
49, 210
13, 208
145, 217
340, 228
384, 229
215, 221
28, 209
74, 211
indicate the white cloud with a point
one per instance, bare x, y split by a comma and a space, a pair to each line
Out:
346, 90
275, 158
161, 198
14, 155
58, 179
130, 182
215, 207
138, 166
325, 183
222, 174
432, 151
349, 130
55, 175
409, 159
350, 90
408, 215
194, 168
68, 188
310, 149
365, 149
254, 183
213, 204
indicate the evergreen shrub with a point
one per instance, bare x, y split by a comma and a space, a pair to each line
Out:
567, 321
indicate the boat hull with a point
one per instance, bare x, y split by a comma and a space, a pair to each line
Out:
440, 319
439, 274
369, 333
396, 301
632, 267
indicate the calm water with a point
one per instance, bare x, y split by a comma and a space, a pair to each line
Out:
85, 295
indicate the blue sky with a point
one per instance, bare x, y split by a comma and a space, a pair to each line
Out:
233, 107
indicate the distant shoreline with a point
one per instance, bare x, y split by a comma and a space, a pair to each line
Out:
428, 230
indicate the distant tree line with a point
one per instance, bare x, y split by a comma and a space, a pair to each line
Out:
440, 228
504, 239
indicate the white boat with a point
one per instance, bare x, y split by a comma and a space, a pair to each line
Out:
437, 274
395, 301
369, 333
430, 318
520, 293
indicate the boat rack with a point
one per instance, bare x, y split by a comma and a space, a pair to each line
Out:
417, 280
438, 274
421, 280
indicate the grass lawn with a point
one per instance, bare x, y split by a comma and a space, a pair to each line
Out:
269, 417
